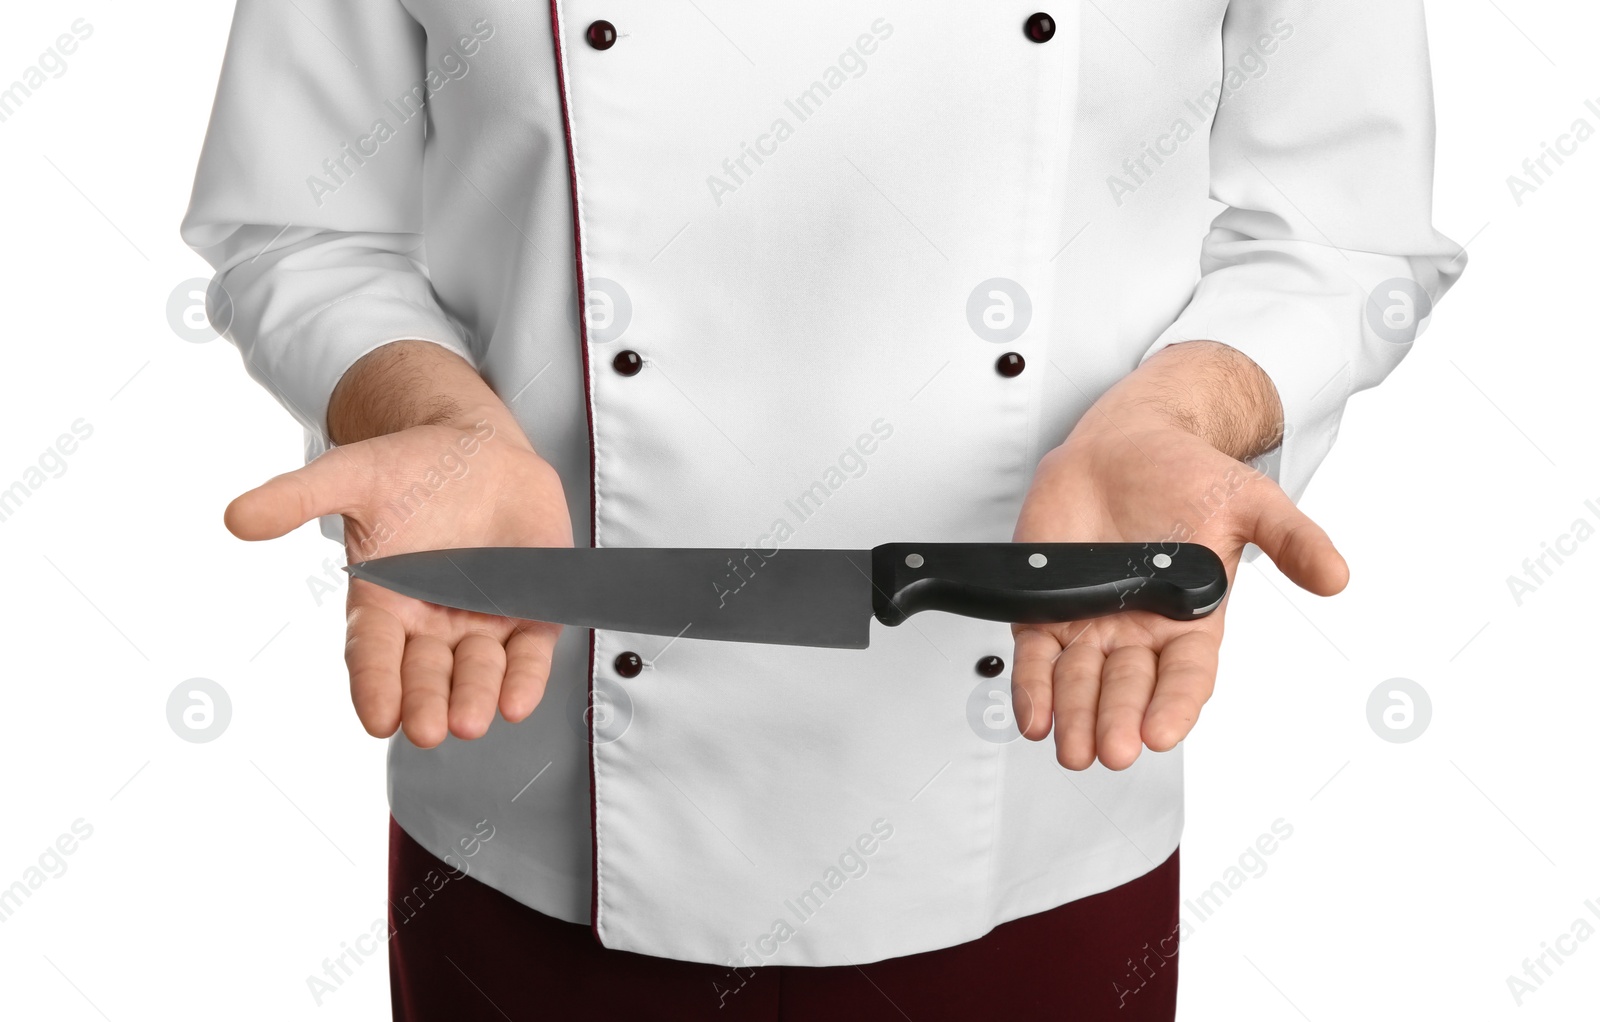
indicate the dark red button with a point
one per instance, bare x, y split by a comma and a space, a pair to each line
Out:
628, 664
628, 363
1041, 28
603, 34
991, 667
1010, 364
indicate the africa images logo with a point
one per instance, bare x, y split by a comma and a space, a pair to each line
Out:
453, 66
1137, 170
852, 63
52, 63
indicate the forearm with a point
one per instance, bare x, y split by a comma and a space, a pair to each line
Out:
412, 383
1201, 387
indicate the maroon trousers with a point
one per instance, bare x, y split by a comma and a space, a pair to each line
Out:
468, 952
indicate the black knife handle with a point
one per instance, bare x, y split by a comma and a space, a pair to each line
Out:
1044, 583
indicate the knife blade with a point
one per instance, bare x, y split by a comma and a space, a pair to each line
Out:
807, 597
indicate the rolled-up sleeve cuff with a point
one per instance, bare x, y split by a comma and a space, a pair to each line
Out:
325, 344
1304, 348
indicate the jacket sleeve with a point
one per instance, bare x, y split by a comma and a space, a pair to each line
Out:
1324, 266
308, 198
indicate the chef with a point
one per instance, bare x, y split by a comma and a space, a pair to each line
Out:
627, 273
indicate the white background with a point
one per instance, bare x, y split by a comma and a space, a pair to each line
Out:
219, 876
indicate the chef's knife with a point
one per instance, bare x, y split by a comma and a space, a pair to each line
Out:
807, 597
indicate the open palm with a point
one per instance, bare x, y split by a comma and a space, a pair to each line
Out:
431, 670
1112, 686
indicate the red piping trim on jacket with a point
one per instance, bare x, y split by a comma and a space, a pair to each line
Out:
588, 402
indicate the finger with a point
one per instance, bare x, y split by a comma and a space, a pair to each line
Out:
374, 643
335, 483
1077, 701
1126, 682
1185, 678
528, 656
1298, 546
1032, 664
480, 666
425, 689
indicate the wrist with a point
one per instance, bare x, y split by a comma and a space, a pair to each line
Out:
1203, 388
407, 384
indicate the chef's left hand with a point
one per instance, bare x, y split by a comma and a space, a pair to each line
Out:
1159, 457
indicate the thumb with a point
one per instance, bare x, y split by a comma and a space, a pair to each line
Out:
335, 483
1298, 546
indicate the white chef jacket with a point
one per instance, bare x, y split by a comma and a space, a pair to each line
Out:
818, 231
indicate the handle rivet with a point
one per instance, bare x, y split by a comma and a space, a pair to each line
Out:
913, 560
1161, 561
1038, 560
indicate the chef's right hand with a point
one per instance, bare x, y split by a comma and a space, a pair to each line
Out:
428, 459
